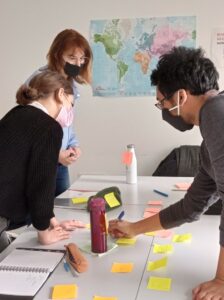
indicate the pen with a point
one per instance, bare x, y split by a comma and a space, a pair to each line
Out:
40, 249
160, 193
121, 214
66, 265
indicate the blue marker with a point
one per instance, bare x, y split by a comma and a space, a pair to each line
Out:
121, 214
66, 265
160, 193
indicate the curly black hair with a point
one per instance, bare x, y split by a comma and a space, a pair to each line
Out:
185, 68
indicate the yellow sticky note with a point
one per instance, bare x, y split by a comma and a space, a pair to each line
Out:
181, 238
153, 265
162, 248
66, 291
122, 267
126, 241
111, 200
152, 233
104, 298
79, 200
159, 283
88, 226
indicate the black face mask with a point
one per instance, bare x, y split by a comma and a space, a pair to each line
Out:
71, 70
176, 121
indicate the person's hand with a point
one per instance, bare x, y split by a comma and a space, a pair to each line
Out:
53, 235
71, 225
119, 229
67, 157
210, 290
77, 151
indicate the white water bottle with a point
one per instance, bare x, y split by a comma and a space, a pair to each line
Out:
131, 169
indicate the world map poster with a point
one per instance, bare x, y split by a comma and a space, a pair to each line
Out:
125, 51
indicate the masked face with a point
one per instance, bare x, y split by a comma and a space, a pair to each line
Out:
176, 121
71, 70
65, 116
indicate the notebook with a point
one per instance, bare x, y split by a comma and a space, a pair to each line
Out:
67, 203
23, 272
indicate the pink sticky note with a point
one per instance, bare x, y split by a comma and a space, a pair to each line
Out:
155, 202
152, 209
148, 214
183, 185
127, 158
164, 233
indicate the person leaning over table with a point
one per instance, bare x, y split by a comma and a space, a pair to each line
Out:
187, 94
70, 55
31, 137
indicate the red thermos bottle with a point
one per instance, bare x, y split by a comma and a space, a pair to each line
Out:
98, 225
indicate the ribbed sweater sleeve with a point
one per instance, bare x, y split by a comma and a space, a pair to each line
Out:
41, 176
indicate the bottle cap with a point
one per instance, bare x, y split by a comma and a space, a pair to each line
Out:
130, 146
97, 203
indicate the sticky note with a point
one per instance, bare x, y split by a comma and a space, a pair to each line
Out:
164, 233
181, 238
184, 186
122, 267
111, 200
152, 209
79, 200
127, 158
162, 248
88, 226
104, 298
153, 265
159, 283
148, 214
155, 202
126, 241
66, 291
150, 233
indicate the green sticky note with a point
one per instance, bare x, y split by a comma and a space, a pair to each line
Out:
79, 200
111, 200
153, 265
159, 283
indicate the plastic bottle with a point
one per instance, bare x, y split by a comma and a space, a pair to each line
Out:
131, 169
98, 225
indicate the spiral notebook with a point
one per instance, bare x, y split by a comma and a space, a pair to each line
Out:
23, 272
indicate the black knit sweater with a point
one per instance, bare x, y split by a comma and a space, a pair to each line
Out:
30, 141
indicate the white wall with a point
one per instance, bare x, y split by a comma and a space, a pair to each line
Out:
104, 125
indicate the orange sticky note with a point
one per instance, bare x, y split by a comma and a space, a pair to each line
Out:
65, 291
122, 267
127, 158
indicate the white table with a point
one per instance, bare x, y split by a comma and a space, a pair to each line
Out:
188, 265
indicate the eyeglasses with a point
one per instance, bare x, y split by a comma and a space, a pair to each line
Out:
78, 60
160, 104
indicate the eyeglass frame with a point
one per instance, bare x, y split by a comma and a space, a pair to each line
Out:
159, 104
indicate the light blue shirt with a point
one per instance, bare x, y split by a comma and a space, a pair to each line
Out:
69, 136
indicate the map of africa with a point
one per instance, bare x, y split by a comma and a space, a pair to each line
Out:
126, 51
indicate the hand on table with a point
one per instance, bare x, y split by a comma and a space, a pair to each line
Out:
52, 235
210, 290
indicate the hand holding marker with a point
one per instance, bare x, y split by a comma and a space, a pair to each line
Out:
120, 215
